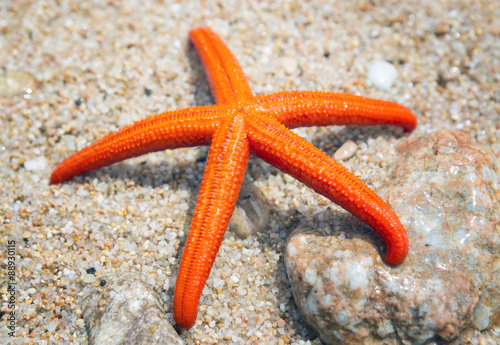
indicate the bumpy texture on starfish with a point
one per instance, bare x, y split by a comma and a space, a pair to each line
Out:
239, 125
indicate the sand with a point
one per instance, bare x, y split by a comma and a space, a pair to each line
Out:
72, 72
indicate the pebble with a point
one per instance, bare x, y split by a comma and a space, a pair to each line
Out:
36, 164
382, 74
88, 278
15, 83
346, 151
442, 28
289, 64
251, 214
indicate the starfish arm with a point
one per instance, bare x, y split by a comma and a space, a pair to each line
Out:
224, 173
225, 76
172, 129
298, 158
318, 108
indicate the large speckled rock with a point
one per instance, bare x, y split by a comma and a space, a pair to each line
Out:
446, 191
126, 311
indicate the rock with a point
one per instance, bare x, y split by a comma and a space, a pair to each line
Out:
251, 213
346, 151
126, 311
15, 83
36, 164
446, 190
442, 28
289, 64
382, 74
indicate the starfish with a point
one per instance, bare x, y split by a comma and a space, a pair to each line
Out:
241, 124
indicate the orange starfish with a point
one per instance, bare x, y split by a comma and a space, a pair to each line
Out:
239, 125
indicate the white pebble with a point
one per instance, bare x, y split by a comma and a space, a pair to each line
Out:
88, 278
346, 151
51, 327
289, 64
382, 74
69, 227
38, 163
481, 318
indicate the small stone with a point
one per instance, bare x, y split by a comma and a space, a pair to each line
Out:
51, 327
251, 213
13, 83
346, 151
88, 278
26, 234
448, 73
102, 302
289, 64
36, 164
442, 28
482, 315
79, 101
382, 74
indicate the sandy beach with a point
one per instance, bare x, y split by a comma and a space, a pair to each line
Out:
72, 72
